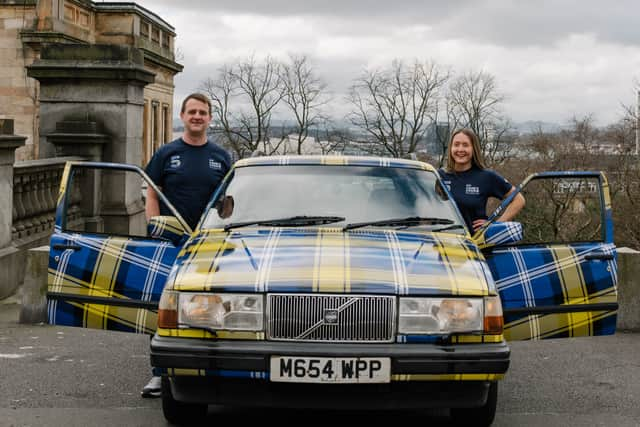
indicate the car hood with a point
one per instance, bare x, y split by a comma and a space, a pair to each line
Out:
329, 260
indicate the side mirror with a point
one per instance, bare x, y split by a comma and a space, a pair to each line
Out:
499, 233
167, 228
225, 206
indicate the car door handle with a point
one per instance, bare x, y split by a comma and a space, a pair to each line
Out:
598, 256
65, 247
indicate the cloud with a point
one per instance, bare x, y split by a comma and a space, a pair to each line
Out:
519, 22
543, 22
406, 10
552, 59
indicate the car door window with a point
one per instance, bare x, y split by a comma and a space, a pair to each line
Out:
105, 201
562, 210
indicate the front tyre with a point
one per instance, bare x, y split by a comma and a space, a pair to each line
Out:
180, 413
481, 416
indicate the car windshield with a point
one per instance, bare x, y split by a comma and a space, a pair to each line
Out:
332, 196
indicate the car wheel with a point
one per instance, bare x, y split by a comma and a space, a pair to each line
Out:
482, 416
180, 413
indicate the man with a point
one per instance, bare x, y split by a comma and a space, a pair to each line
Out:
187, 171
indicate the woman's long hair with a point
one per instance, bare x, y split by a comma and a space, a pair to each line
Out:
476, 157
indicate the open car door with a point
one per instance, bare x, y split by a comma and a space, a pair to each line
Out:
107, 266
560, 279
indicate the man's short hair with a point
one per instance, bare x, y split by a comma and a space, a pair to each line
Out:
197, 96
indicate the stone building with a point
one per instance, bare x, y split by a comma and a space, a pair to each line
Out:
26, 26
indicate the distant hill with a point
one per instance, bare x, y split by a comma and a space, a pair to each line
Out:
284, 127
532, 126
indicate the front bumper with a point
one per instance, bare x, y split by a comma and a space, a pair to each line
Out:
407, 360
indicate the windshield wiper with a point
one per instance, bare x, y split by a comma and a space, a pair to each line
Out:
290, 221
411, 220
448, 227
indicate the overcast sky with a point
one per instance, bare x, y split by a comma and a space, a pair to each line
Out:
552, 58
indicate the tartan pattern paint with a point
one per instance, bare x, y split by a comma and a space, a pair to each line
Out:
328, 260
263, 375
560, 275
165, 227
99, 268
114, 282
334, 161
500, 233
534, 280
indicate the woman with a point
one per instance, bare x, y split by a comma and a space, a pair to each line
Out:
471, 183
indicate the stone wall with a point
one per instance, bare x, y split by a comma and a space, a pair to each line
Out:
18, 93
629, 289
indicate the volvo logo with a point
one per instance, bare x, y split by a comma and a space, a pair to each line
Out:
330, 316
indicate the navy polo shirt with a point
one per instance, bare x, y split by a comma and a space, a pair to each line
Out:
188, 176
471, 190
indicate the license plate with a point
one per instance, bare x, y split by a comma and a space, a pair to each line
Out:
330, 369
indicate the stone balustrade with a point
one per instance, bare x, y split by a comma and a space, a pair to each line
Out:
35, 194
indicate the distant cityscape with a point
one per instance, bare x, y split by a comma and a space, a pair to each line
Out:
432, 144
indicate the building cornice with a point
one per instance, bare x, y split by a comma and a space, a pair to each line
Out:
161, 61
41, 37
102, 62
137, 9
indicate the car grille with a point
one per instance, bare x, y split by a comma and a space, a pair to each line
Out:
337, 318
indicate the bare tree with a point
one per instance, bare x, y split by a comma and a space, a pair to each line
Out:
576, 147
474, 102
624, 179
244, 97
631, 117
331, 140
445, 122
394, 106
303, 94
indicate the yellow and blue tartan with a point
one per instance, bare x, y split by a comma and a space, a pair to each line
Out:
328, 260
555, 276
165, 227
128, 270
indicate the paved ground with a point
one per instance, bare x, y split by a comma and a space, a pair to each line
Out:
56, 376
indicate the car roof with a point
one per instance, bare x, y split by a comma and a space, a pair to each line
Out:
334, 161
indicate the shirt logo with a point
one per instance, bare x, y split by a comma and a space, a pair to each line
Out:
175, 162
214, 165
447, 184
470, 189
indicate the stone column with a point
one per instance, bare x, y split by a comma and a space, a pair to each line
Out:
9, 262
84, 139
98, 89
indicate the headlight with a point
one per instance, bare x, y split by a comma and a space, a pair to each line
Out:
440, 315
168, 310
221, 311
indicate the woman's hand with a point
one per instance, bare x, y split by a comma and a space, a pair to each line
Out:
478, 223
